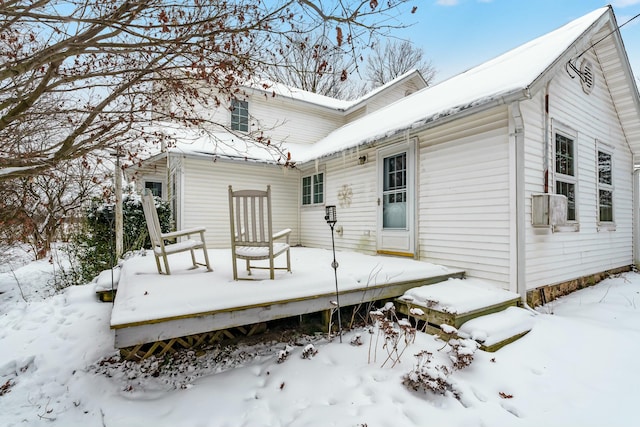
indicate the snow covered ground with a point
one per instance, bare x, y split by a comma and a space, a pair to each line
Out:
578, 366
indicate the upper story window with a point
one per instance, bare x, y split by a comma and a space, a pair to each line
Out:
155, 187
565, 163
313, 189
240, 115
605, 186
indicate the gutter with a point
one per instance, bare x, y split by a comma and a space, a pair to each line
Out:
429, 122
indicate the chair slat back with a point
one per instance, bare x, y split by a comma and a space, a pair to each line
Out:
250, 217
151, 217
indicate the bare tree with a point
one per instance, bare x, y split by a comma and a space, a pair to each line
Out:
35, 209
313, 63
78, 76
394, 58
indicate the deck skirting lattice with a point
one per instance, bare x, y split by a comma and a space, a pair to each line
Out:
195, 341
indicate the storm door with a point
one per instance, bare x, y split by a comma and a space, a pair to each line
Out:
396, 204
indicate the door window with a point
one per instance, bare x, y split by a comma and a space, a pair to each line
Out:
394, 192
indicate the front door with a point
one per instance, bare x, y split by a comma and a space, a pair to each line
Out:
396, 200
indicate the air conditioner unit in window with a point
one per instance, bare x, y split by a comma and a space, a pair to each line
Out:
548, 210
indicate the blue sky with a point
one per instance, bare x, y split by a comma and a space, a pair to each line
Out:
459, 34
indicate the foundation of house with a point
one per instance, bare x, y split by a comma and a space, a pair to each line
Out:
542, 295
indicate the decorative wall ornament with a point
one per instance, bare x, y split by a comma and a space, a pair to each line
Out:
344, 196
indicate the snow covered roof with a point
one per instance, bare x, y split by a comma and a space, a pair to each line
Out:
500, 80
506, 78
218, 144
327, 101
303, 95
226, 145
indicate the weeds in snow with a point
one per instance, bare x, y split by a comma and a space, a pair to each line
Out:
309, 351
397, 334
284, 354
428, 375
6, 387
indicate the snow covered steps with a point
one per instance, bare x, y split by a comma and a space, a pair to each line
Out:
494, 331
477, 309
107, 284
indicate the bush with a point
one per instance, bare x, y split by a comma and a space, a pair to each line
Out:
92, 249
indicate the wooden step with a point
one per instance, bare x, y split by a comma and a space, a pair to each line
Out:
494, 331
455, 301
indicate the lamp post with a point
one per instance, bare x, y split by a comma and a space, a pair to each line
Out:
110, 215
331, 217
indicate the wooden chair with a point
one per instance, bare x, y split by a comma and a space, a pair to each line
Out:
158, 238
252, 236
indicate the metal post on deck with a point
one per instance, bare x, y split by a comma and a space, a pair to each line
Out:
331, 218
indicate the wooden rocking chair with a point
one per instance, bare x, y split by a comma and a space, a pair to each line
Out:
157, 237
252, 237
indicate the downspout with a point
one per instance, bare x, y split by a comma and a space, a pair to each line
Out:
518, 139
546, 138
636, 215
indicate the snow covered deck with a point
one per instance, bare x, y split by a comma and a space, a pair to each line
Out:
150, 307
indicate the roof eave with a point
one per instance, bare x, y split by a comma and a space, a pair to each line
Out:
426, 123
579, 45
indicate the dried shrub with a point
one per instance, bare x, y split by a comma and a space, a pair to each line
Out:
427, 375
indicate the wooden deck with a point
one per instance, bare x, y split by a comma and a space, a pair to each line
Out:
152, 308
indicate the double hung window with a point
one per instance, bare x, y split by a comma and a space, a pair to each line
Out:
565, 163
240, 115
313, 189
605, 186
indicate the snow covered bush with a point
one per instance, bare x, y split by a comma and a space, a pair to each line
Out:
462, 351
283, 355
356, 340
92, 249
309, 351
428, 375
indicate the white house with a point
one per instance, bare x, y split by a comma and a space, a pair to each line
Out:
520, 171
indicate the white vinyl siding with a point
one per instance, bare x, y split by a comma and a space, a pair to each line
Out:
148, 173
206, 201
391, 95
464, 196
292, 121
558, 257
352, 188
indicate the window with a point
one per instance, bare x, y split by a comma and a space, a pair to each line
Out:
240, 115
313, 189
394, 192
155, 187
566, 172
605, 186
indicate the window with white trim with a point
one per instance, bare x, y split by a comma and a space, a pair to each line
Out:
605, 186
565, 172
154, 187
239, 115
313, 189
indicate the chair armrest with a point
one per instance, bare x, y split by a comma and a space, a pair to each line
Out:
281, 234
185, 232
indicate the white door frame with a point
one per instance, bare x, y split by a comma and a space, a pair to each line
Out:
398, 241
